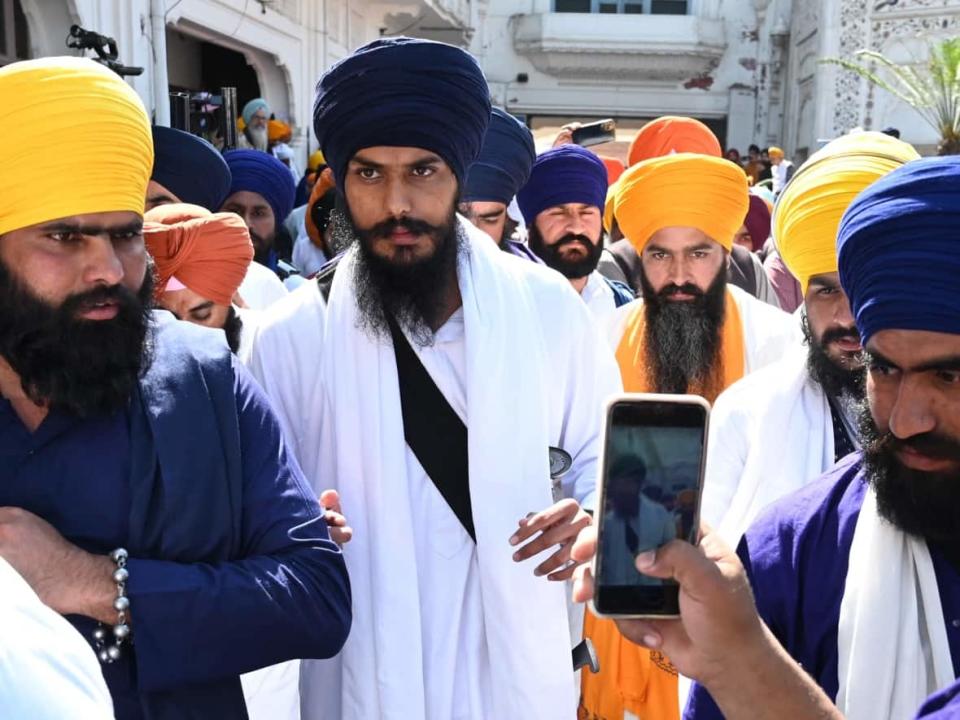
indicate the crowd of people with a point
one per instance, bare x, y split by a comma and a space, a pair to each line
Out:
283, 445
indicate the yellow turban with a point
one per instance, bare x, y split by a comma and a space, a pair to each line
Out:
807, 214
608, 205
68, 117
682, 190
315, 160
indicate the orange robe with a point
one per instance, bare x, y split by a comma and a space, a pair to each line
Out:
632, 678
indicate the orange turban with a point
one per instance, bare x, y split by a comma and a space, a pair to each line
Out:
278, 131
207, 252
323, 185
614, 167
683, 190
670, 134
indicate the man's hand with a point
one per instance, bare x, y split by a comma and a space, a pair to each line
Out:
565, 136
718, 618
557, 525
64, 577
340, 532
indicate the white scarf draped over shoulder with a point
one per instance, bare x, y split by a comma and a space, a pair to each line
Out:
510, 384
892, 639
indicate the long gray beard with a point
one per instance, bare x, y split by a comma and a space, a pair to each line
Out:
258, 138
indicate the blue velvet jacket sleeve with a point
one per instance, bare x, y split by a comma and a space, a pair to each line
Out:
286, 596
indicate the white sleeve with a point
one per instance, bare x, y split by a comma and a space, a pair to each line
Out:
727, 449
47, 670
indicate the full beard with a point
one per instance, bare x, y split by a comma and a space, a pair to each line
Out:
83, 367
835, 379
413, 293
682, 339
258, 137
550, 254
262, 248
925, 505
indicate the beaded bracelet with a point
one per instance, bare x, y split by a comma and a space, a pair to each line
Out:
109, 653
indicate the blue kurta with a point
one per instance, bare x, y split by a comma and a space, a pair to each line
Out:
278, 590
796, 554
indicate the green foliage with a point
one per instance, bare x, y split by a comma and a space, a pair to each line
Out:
933, 89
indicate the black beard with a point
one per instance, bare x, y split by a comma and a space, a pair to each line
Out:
835, 379
550, 254
414, 293
232, 327
682, 339
83, 367
923, 504
261, 248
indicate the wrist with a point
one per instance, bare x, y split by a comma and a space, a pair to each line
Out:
101, 590
757, 649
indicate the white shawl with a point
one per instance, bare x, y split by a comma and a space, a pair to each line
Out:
892, 640
771, 433
510, 308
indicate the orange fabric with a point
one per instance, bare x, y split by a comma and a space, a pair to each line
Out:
671, 134
278, 131
632, 678
320, 188
631, 359
208, 252
615, 168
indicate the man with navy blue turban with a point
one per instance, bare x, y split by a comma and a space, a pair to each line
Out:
186, 169
400, 376
261, 192
493, 180
562, 205
858, 574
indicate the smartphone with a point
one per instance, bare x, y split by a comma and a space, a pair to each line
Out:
595, 133
654, 449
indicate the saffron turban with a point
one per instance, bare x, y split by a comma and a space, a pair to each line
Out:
899, 253
403, 92
682, 190
251, 108
261, 173
207, 252
68, 117
670, 134
190, 168
774, 152
758, 221
278, 131
564, 174
504, 162
609, 204
808, 211
315, 160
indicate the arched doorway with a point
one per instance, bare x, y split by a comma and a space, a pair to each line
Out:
14, 37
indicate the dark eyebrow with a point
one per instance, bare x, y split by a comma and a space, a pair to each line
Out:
161, 198
700, 246
492, 215
950, 363
135, 226
824, 282
202, 306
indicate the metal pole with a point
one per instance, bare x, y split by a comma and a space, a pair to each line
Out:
229, 122
158, 36
179, 104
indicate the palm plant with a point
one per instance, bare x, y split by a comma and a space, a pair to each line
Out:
932, 89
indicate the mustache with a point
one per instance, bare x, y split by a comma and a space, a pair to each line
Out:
97, 296
685, 289
931, 444
840, 333
411, 225
571, 238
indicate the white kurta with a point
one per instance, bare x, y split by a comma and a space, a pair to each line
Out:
598, 296
442, 627
770, 434
768, 332
47, 670
261, 287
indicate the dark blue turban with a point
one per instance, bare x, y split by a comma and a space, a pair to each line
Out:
504, 162
899, 252
190, 168
565, 174
403, 92
262, 173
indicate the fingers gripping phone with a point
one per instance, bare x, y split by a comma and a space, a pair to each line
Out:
654, 450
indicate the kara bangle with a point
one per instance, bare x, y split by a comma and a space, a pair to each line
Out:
107, 641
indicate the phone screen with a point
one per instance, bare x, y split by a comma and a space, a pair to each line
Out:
652, 476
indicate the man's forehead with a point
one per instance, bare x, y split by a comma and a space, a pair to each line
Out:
93, 222
912, 348
680, 236
571, 207
830, 279
390, 155
246, 198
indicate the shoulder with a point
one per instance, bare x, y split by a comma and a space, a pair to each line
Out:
757, 309
616, 323
174, 342
820, 516
293, 314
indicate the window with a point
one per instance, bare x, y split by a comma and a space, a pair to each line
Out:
624, 7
